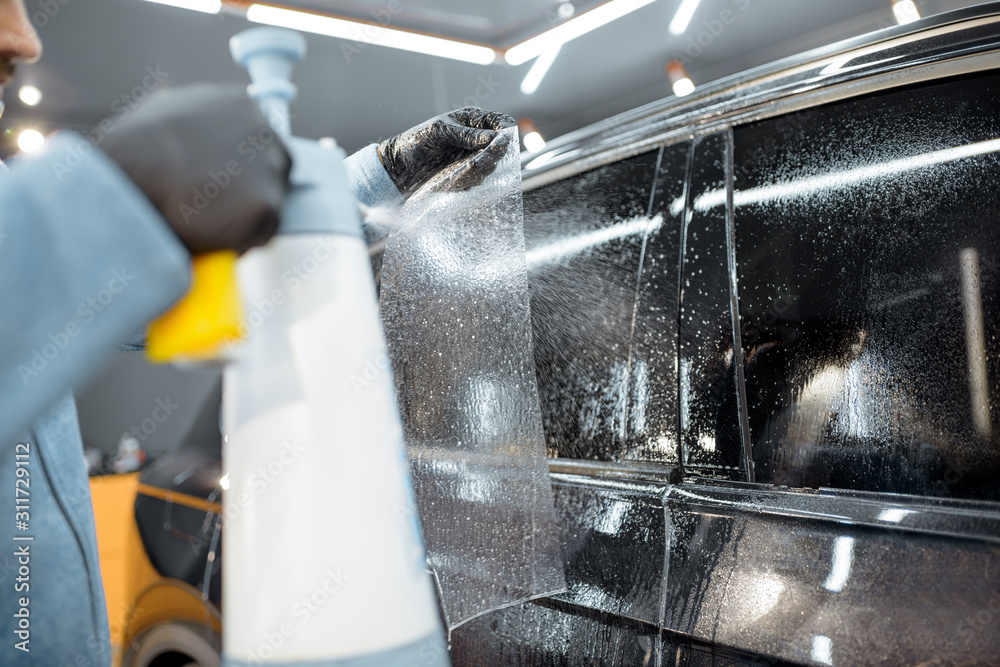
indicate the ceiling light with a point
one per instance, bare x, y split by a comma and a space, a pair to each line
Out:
207, 6
30, 95
532, 138
30, 140
905, 11
571, 29
538, 71
683, 16
683, 87
357, 31
679, 78
566, 10
534, 142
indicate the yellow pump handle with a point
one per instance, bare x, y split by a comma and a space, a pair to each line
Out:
206, 318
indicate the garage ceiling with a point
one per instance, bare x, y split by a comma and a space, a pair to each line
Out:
494, 23
96, 51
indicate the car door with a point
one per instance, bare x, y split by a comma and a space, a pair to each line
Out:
865, 252
779, 448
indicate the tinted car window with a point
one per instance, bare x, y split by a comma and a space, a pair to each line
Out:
869, 291
584, 238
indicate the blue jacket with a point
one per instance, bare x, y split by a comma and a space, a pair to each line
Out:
85, 261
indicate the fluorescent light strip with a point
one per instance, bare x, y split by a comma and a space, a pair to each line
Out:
206, 6
539, 70
905, 12
371, 34
682, 19
839, 179
571, 29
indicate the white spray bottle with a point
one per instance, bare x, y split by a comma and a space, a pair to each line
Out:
324, 564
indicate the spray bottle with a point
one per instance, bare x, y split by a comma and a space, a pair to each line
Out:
324, 560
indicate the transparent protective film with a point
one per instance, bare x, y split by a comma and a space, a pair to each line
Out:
455, 309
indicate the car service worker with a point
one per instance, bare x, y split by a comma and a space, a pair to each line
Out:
91, 248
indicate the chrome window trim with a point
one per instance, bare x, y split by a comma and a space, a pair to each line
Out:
625, 470
781, 88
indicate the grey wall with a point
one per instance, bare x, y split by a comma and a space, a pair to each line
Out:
132, 393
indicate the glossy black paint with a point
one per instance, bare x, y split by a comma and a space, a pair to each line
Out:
744, 583
822, 591
869, 291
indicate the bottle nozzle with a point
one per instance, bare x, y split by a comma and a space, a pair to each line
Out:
270, 54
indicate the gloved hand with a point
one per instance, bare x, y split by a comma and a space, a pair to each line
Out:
210, 163
413, 157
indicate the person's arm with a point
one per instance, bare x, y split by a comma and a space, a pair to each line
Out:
85, 260
385, 174
369, 181
95, 242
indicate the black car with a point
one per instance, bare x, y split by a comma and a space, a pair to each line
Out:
769, 368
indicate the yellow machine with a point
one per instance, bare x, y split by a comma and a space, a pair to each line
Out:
150, 615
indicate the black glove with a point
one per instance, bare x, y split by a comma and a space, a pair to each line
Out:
208, 160
413, 157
